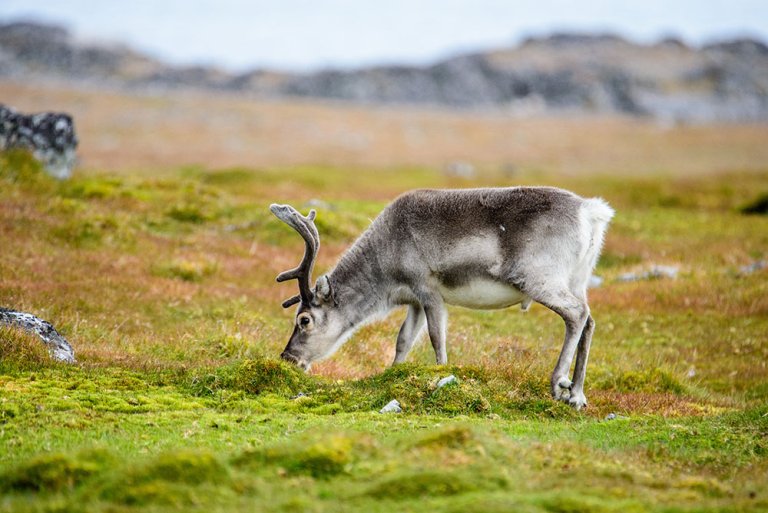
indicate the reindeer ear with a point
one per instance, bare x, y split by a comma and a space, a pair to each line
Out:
323, 290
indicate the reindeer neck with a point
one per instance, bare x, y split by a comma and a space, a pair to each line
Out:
359, 283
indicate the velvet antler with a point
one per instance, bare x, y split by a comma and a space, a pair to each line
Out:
303, 272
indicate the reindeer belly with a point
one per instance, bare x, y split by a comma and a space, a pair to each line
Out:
482, 293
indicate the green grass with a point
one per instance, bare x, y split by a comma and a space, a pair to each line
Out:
165, 287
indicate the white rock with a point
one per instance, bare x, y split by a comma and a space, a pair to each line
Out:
663, 271
447, 380
392, 406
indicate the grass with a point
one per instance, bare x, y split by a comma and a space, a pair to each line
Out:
165, 286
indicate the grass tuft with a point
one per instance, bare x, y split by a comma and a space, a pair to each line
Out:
649, 381
186, 270
22, 348
55, 471
264, 375
320, 458
436, 483
20, 167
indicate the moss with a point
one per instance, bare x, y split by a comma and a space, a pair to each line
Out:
197, 204
92, 188
87, 231
436, 483
266, 375
650, 381
576, 503
19, 166
8, 411
208, 383
477, 392
171, 478
155, 492
188, 213
320, 458
454, 437
456, 399
184, 466
186, 270
55, 471
505, 503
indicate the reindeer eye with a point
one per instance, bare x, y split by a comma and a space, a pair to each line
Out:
304, 320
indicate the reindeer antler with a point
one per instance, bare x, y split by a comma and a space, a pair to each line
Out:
303, 272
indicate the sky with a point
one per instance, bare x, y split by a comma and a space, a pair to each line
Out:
304, 35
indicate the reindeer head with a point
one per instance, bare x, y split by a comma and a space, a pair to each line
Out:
319, 325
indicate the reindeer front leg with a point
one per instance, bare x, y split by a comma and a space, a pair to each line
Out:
409, 332
437, 319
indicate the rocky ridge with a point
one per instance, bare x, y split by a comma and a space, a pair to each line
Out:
603, 73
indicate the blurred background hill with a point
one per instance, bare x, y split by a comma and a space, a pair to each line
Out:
568, 72
462, 88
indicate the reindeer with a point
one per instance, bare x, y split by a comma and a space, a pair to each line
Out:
477, 248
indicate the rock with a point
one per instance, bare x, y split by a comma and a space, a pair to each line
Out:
392, 406
299, 396
610, 416
49, 136
663, 271
562, 72
446, 381
58, 347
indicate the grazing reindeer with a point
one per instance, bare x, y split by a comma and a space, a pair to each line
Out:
477, 248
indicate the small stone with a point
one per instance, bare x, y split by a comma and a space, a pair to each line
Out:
299, 396
610, 416
663, 271
392, 406
446, 381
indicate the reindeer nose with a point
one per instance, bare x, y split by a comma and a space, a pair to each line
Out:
288, 357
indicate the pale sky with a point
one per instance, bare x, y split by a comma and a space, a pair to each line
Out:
311, 34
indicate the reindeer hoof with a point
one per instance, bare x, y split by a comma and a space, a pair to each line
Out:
577, 400
561, 389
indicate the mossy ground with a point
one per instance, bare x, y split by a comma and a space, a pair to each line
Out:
165, 287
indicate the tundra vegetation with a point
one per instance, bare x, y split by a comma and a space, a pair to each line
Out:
164, 284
